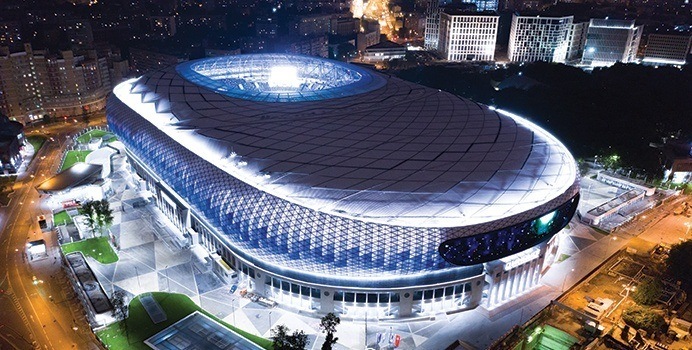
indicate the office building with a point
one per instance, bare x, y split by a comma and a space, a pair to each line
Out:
432, 24
483, 5
577, 41
537, 38
665, 49
609, 41
467, 36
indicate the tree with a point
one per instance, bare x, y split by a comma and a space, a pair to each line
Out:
647, 293
644, 318
99, 215
679, 262
46, 118
610, 162
85, 116
283, 341
120, 305
328, 325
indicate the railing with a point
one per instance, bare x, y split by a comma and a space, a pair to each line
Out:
73, 145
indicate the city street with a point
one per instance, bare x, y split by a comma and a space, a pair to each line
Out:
43, 314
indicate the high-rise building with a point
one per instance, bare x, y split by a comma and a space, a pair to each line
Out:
483, 5
73, 83
19, 94
37, 82
432, 24
467, 36
609, 41
536, 38
577, 40
667, 49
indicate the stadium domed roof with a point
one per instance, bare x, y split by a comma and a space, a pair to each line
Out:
347, 141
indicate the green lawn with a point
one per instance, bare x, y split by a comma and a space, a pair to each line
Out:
131, 333
36, 141
62, 218
97, 248
72, 157
108, 138
93, 134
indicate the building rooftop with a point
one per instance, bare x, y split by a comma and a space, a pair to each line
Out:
385, 45
375, 148
198, 331
76, 175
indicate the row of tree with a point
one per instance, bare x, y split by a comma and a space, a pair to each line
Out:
298, 340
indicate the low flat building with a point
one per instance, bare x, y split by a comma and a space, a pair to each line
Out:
384, 51
678, 162
11, 142
664, 49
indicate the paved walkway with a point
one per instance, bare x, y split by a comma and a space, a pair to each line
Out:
148, 264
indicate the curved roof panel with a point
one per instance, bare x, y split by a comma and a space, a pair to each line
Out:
389, 151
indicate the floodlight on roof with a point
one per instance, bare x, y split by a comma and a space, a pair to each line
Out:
283, 77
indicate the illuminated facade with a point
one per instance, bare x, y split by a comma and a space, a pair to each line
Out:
330, 187
467, 36
609, 41
432, 24
536, 38
666, 49
38, 82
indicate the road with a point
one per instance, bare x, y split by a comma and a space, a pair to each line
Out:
46, 315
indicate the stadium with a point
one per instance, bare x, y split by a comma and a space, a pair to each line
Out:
327, 187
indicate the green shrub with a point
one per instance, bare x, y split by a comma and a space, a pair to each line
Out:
644, 318
648, 292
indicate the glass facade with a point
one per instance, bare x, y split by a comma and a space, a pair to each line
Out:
509, 240
308, 256
276, 234
539, 38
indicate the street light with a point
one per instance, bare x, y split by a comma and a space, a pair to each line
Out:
233, 306
270, 320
